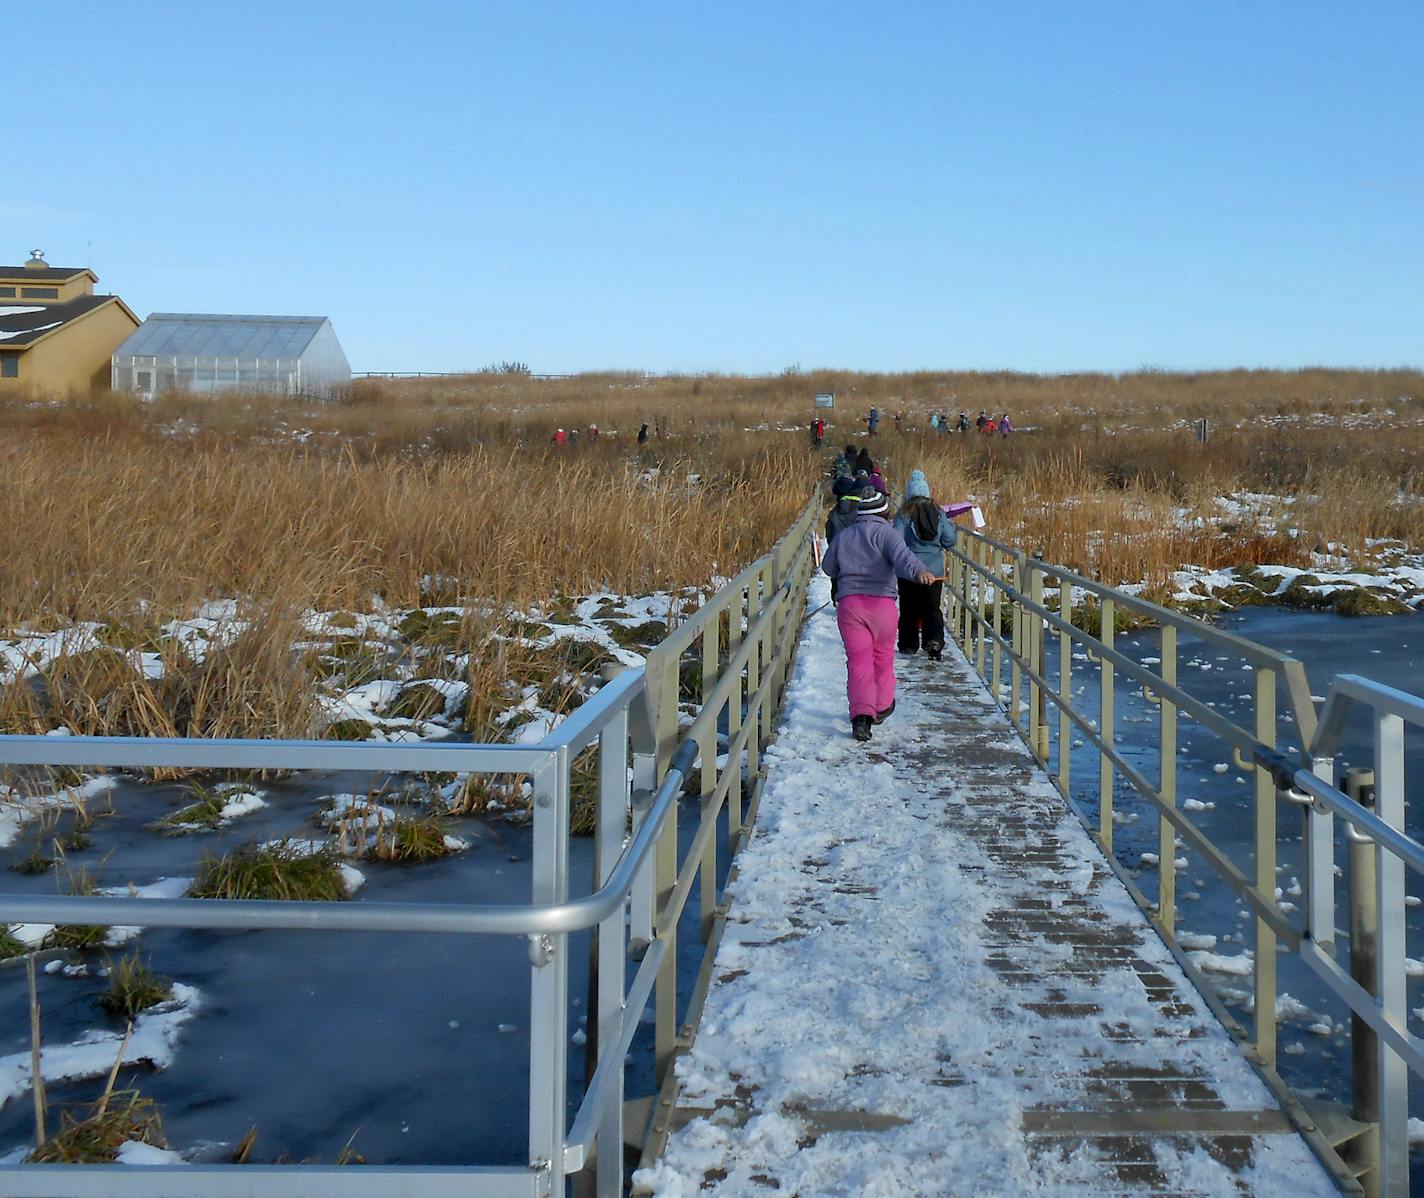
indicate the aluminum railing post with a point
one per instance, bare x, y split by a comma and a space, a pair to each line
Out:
612, 826
997, 622
1265, 966
1392, 1070
1320, 863
1364, 969
1167, 787
1040, 660
548, 992
1065, 687
1107, 612
981, 598
1016, 671
736, 613
711, 664
753, 679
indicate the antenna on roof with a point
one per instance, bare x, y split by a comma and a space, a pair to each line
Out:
88, 254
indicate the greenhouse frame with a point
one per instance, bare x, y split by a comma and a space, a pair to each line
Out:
285, 355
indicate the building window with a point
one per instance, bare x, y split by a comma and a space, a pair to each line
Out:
39, 292
7, 293
9, 366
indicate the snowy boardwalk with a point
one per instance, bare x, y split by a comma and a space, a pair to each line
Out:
930, 983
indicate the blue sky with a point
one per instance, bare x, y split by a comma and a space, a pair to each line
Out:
739, 187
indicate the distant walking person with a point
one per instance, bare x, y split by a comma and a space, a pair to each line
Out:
643, 434
963, 424
928, 532
934, 421
873, 420
1005, 428
867, 471
863, 562
899, 422
818, 433
593, 432
560, 437
981, 421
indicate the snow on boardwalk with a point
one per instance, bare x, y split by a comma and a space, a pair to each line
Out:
930, 983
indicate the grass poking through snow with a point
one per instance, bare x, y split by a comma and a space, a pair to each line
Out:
274, 871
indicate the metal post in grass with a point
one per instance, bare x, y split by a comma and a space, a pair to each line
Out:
548, 964
1167, 787
1107, 613
1065, 686
1265, 967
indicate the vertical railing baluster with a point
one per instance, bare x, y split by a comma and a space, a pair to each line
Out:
1265, 969
736, 614
1015, 671
548, 989
981, 557
1107, 612
996, 618
1065, 687
612, 953
1392, 1071
1167, 787
707, 893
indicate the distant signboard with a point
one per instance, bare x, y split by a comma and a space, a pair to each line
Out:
825, 401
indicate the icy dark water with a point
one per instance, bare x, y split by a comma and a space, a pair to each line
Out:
1389, 649
416, 1045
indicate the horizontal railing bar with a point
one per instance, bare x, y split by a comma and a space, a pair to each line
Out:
683, 635
1408, 850
268, 1181
1188, 704
1223, 867
581, 727
1258, 654
1364, 1004
1381, 697
141, 752
499, 920
610, 1060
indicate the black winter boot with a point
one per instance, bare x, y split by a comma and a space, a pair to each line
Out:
935, 652
860, 727
882, 716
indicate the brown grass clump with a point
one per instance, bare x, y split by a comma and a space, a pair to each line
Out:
274, 871
133, 987
96, 1136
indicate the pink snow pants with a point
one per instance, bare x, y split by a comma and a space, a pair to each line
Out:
868, 626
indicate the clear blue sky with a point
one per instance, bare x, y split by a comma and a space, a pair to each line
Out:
739, 187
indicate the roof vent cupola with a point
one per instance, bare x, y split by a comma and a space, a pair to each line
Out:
37, 261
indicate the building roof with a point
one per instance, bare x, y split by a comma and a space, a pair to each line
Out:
21, 325
192, 334
44, 274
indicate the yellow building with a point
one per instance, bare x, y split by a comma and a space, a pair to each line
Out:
56, 335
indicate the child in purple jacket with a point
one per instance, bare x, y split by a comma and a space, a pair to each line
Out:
864, 561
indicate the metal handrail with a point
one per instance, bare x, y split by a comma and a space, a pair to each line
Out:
634, 910
986, 574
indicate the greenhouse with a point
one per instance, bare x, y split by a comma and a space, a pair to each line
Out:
287, 355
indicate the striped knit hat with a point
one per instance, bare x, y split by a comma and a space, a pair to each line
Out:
872, 502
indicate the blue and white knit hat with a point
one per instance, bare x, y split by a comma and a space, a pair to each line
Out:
918, 486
